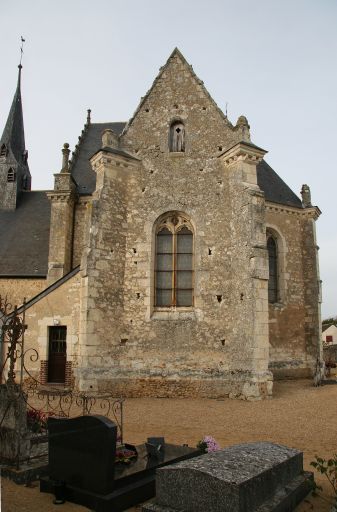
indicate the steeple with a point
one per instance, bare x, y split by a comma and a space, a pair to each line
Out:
13, 136
14, 170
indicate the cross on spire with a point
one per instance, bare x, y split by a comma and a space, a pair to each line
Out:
21, 51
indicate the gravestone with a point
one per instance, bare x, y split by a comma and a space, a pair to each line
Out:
82, 466
22, 451
257, 477
82, 452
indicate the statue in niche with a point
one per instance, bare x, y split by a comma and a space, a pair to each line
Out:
177, 137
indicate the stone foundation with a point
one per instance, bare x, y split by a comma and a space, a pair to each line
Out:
245, 388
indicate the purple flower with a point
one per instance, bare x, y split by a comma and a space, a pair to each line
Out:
208, 444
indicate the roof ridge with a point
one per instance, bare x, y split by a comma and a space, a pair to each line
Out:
109, 122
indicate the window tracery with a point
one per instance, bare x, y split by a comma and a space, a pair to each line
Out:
174, 262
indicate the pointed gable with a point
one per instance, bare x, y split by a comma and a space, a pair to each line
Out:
177, 60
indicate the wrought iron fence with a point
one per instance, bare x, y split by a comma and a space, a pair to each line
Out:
26, 403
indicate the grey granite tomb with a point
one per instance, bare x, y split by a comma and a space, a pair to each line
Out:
256, 477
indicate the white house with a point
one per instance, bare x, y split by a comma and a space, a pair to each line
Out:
330, 335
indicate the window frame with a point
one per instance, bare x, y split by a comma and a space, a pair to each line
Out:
172, 148
174, 222
276, 277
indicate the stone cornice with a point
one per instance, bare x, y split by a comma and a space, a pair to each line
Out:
243, 151
314, 212
61, 195
103, 158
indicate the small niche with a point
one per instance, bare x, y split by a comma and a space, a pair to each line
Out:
219, 298
147, 110
200, 170
143, 190
241, 296
151, 172
131, 321
134, 250
209, 252
175, 106
203, 108
220, 182
124, 341
111, 251
223, 342
138, 295
220, 148
135, 262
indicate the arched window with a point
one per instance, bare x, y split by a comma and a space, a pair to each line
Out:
3, 150
174, 262
11, 175
273, 291
177, 137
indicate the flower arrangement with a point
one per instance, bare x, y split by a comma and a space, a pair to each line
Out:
36, 421
208, 444
125, 453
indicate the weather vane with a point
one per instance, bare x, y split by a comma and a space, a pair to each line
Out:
21, 48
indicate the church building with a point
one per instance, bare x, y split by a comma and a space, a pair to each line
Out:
169, 260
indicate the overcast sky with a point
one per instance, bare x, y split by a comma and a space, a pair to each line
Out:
272, 60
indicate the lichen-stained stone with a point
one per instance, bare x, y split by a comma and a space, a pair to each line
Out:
259, 477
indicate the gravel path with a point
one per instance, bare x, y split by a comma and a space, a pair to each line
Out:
298, 416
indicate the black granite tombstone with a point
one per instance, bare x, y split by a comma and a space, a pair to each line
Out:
82, 466
82, 452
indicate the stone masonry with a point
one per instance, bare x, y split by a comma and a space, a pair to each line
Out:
231, 340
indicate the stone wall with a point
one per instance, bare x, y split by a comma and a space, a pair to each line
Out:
294, 320
60, 307
219, 346
80, 230
16, 288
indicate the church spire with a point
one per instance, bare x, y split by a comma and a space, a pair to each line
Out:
14, 171
13, 137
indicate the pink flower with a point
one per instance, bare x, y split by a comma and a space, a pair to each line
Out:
212, 445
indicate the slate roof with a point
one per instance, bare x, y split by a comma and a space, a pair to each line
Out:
24, 236
91, 142
274, 188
